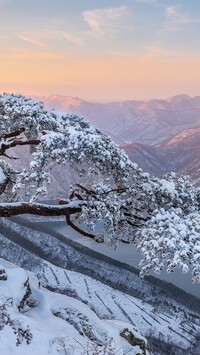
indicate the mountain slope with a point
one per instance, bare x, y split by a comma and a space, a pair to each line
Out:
165, 134
180, 153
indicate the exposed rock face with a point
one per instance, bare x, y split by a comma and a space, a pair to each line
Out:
3, 275
134, 341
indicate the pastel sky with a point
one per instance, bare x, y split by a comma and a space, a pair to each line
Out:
100, 50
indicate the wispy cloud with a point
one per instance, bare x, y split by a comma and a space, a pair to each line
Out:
102, 23
74, 38
31, 40
105, 22
175, 20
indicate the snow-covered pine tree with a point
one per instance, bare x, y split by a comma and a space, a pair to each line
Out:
160, 216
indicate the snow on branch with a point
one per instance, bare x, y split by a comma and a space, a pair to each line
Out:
5, 145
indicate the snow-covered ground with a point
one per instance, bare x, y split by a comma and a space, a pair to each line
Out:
112, 304
170, 327
89, 321
37, 321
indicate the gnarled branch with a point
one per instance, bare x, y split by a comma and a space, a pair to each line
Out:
17, 142
77, 229
13, 134
72, 225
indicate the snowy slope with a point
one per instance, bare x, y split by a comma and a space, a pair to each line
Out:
169, 325
108, 303
37, 321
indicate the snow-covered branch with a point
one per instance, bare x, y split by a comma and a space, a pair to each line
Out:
161, 216
5, 145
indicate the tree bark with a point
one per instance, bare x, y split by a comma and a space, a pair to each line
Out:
18, 208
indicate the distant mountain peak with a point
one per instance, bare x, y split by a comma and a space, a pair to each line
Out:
63, 97
59, 102
179, 98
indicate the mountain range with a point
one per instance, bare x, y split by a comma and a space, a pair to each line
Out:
181, 154
147, 122
159, 135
